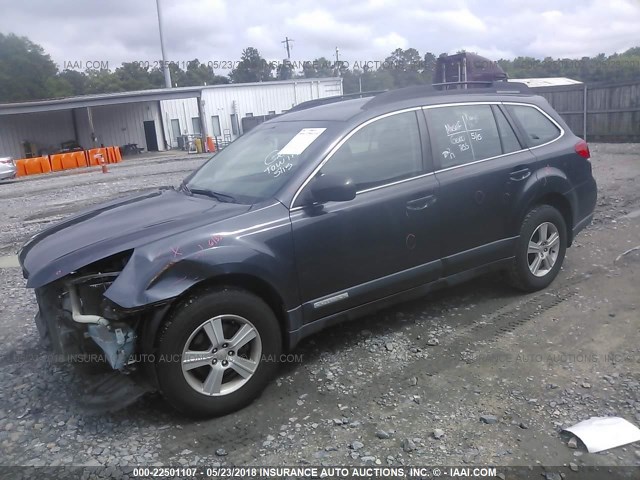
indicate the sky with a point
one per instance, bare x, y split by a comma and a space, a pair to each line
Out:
75, 32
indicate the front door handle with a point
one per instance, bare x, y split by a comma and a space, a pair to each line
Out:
421, 203
519, 175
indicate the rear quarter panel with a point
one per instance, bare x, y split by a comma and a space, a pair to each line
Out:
560, 170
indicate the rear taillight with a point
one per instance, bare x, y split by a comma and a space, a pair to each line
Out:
582, 149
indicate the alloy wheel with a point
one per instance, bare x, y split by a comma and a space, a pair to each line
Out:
544, 246
221, 355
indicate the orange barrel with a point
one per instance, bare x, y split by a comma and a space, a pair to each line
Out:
211, 145
68, 161
81, 160
21, 169
116, 149
56, 162
45, 165
110, 158
33, 166
93, 161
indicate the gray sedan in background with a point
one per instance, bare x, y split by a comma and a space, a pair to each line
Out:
7, 168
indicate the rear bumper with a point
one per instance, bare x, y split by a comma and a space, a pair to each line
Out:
586, 195
578, 227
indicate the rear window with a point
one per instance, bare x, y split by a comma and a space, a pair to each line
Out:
509, 140
463, 134
537, 126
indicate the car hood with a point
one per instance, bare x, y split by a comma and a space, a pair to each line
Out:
115, 227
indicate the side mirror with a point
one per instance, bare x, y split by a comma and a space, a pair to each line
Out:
332, 188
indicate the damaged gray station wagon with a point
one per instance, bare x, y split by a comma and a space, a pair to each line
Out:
333, 210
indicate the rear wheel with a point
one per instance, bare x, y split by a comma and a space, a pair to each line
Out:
540, 249
217, 351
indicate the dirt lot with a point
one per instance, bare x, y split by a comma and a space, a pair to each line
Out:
372, 392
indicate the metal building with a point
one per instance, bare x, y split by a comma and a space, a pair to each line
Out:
152, 119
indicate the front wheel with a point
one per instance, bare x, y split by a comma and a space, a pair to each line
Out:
217, 352
540, 249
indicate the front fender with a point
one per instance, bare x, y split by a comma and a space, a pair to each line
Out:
162, 272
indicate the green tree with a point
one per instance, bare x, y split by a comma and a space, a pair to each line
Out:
251, 68
429, 61
103, 81
406, 68
284, 70
156, 77
58, 87
318, 68
178, 76
200, 74
25, 70
133, 76
78, 81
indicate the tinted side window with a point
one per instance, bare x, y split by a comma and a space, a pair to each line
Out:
381, 152
463, 134
538, 128
509, 140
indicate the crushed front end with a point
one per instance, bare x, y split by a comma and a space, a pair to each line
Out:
83, 327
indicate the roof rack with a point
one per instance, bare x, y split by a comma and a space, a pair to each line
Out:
479, 87
337, 98
498, 86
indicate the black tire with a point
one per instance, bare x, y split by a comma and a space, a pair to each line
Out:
43, 332
189, 318
519, 273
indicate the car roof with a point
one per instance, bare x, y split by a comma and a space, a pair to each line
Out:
337, 109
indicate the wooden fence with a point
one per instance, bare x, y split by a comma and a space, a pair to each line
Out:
612, 109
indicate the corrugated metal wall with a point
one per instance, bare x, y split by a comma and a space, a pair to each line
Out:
114, 125
120, 124
183, 111
47, 130
256, 99
123, 124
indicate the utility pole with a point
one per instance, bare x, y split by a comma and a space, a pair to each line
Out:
337, 55
286, 42
165, 65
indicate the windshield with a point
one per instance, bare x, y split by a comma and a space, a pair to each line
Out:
256, 165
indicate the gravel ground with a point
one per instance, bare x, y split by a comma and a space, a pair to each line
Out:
477, 374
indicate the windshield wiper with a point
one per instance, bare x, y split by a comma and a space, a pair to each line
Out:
185, 188
221, 197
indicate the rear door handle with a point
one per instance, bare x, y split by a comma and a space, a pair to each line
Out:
519, 175
421, 203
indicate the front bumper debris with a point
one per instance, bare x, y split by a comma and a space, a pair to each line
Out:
118, 344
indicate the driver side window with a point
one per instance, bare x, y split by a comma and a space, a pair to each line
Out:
382, 152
